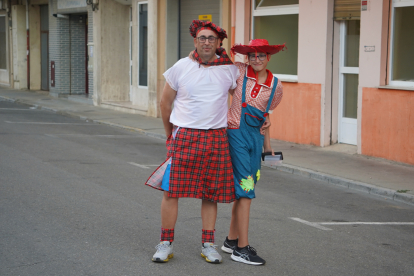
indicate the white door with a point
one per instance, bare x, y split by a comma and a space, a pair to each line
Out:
348, 81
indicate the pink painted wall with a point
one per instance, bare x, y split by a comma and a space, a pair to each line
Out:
298, 117
388, 124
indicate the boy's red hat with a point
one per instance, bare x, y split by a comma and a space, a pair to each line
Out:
257, 45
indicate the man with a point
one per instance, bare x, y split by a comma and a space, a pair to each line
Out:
198, 162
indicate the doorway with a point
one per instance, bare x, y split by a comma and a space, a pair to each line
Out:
348, 81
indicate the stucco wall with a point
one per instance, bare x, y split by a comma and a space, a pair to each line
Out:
19, 46
114, 40
297, 118
387, 124
34, 26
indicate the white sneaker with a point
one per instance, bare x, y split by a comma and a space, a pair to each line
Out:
164, 252
209, 252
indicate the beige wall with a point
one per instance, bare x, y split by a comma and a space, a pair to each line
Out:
19, 46
153, 77
111, 46
315, 55
34, 27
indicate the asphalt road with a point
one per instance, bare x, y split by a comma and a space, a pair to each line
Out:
73, 202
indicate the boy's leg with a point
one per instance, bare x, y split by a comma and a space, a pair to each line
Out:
233, 233
243, 216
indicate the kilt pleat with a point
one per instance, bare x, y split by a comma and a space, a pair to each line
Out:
200, 167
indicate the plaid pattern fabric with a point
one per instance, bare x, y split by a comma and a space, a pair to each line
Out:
201, 165
208, 236
222, 60
200, 168
198, 25
167, 234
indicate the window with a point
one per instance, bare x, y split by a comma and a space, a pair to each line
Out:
142, 44
3, 44
278, 22
402, 44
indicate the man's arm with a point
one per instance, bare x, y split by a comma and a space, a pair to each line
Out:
231, 91
167, 99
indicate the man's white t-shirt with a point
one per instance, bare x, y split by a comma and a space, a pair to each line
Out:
202, 93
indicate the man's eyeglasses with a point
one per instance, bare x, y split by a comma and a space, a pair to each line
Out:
211, 39
252, 57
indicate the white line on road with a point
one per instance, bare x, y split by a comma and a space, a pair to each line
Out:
138, 165
47, 123
319, 224
19, 109
365, 223
313, 224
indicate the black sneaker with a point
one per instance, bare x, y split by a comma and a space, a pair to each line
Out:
229, 245
247, 255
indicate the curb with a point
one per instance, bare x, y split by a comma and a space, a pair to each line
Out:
307, 173
346, 183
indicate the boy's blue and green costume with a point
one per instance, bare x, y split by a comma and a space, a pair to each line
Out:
246, 145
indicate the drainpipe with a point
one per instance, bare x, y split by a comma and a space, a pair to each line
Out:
28, 44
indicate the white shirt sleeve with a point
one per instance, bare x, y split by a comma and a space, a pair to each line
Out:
172, 75
235, 73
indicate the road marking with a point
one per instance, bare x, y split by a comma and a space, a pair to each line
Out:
319, 224
138, 165
313, 224
19, 109
47, 123
365, 223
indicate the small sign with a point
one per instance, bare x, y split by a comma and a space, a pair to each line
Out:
369, 48
205, 17
364, 5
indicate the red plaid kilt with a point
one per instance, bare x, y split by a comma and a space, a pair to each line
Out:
200, 168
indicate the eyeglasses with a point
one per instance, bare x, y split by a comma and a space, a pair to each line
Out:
211, 39
252, 57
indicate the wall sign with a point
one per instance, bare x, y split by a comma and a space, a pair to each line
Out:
364, 5
68, 6
205, 17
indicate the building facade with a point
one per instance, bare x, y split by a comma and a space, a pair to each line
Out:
347, 73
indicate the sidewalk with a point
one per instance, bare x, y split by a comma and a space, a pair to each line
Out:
338, 164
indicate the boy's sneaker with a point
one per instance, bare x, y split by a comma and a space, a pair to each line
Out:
209, 252
247, 255
229, 245
164, 252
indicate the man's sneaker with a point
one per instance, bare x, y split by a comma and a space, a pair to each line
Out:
209, 252
164, 252
247, 255
229, 245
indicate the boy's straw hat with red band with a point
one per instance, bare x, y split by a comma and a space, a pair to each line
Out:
257, 45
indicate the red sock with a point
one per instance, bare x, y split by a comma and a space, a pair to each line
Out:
208, 236
167, 235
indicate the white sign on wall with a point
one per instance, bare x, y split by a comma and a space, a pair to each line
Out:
71, 6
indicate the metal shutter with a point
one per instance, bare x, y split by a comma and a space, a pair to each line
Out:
190, 10
347, 10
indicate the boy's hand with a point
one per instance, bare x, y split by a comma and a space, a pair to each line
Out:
191, 56
269, 150
265, 126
